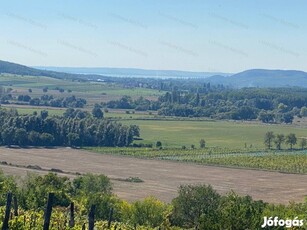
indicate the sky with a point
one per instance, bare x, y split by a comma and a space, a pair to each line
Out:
193, 35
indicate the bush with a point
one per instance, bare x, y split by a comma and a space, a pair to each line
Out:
35, 189
90, 183
195, 205
149, 212
159, 144
202, 143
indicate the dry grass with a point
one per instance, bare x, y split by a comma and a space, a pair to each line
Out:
161, 178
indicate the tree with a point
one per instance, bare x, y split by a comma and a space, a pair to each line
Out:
47, 139
45, 89
69, 113
303, 111
34, 189
21, 137
148, 212
34, 138
159, 144
291, 140
202, 143
30, 90
97, 112
8, 135
266, 117
90, 183
268, 138
195, 205
241, 209
287, 117
73, 139
303, 143
279, 139
44, 114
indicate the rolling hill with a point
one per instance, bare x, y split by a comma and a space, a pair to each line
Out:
248, 78
263, 78
13, 68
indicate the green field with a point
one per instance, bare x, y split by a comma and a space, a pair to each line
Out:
93, 92
282, 161
216, 133
228, 143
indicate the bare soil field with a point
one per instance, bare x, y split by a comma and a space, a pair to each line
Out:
161, 178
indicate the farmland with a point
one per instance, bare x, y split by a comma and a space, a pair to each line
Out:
216, 133
234, 153
281, 161
93, 92
161, 178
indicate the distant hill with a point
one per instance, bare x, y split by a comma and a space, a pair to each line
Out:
133, 72
263, 78
248, 78
13, 68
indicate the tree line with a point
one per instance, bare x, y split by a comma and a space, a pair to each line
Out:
195, 206
41, 130
269, 105
271, 139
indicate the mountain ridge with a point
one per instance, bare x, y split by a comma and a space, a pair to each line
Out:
263, 78
248, 78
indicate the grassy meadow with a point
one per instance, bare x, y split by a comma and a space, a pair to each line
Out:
93, 92
216, 133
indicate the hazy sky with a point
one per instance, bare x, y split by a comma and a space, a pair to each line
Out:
215, 35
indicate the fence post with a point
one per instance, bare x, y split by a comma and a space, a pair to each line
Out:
15, 206
72, 215
5, 225
48, 210
110, 218
91, 218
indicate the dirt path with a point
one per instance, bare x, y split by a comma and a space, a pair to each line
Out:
161, 178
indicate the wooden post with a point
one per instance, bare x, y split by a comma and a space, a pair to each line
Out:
110, 218
5, 225
91, 218
15, 206
72, 215
48, 210
83, 226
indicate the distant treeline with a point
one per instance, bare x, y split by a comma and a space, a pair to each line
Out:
266, 104
41, 130
46, 100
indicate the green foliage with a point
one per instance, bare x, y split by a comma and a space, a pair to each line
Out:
97, 112
240, 212
34, 189
158, 144
279, 139
303, 143
291, 140
149, 212
7, 184
90, 184
268, 139
202, 143
64, 131
283, 161
103, 202
196, 205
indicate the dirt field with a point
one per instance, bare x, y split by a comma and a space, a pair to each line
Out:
161, 178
